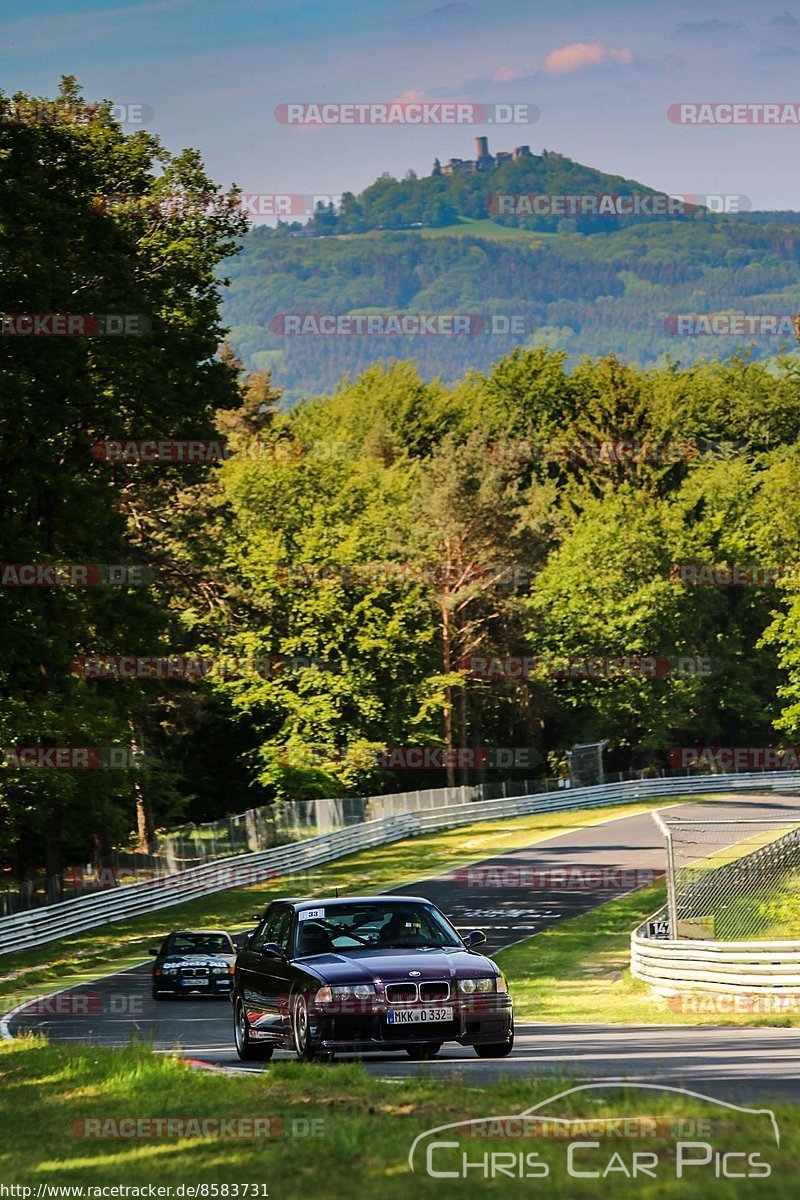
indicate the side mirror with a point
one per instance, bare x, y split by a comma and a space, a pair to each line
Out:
474, 938
273, 950
153, 951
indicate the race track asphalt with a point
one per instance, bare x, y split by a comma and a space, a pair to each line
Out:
510, 896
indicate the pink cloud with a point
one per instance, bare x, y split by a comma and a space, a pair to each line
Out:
584, 54
509, 74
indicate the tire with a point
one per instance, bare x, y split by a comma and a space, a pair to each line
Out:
495, 1049
304, 1048
247, 1051
424, 1053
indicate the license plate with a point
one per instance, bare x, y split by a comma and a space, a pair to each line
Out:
418, 1016
194, 982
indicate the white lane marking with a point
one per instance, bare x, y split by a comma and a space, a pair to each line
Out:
5, 1022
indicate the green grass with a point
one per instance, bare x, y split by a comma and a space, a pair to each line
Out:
484, 228
579, 971
85, 956
364, 1130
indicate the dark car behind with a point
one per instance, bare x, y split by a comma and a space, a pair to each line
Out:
194, 961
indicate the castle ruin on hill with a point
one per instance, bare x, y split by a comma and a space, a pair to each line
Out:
483, 160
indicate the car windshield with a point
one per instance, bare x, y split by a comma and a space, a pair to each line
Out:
372, 927
198, 943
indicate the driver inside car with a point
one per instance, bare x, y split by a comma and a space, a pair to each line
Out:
399, 930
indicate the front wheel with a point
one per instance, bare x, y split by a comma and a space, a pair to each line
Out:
247, 1051
304, 1047
424, 1053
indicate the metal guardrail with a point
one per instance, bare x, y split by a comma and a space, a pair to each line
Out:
740, 968
672, 965
40, 926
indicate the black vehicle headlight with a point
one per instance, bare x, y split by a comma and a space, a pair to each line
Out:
349, 991
220, 970
169, 968
470, 987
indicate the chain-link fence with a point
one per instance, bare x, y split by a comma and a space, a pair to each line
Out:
276, 824
245, 833
733, 880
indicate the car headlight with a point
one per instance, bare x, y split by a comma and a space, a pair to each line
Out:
169, 968
220, 970
469, 987
350, 991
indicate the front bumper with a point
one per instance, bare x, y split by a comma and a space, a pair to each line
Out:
487, 1020
216, 986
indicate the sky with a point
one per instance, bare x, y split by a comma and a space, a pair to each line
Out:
602, 75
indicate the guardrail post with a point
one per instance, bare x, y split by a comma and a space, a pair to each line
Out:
672, 906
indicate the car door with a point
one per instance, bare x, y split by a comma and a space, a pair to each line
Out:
276, 974
249, 970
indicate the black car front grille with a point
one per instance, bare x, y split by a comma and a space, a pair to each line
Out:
194, 972
436, 990
409, 993
401, 993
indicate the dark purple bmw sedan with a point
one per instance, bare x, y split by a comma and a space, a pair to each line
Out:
366, 973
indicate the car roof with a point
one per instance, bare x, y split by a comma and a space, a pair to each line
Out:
338, 901
202, 932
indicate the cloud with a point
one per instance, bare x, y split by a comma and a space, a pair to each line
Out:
784, 54
510, 74
578, 55
785, 20
713, 25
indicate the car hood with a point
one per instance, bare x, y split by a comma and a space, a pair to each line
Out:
367, 965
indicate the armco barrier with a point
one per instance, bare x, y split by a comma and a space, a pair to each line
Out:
42, 925
673, 965
740, 968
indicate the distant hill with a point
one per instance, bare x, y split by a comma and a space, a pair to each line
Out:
590, 284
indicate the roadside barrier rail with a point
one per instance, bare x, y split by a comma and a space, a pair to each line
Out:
37, 927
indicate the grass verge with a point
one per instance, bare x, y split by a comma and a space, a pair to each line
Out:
339, 1129
579, 971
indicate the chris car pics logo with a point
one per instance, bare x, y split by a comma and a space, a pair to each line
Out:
695, 1138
